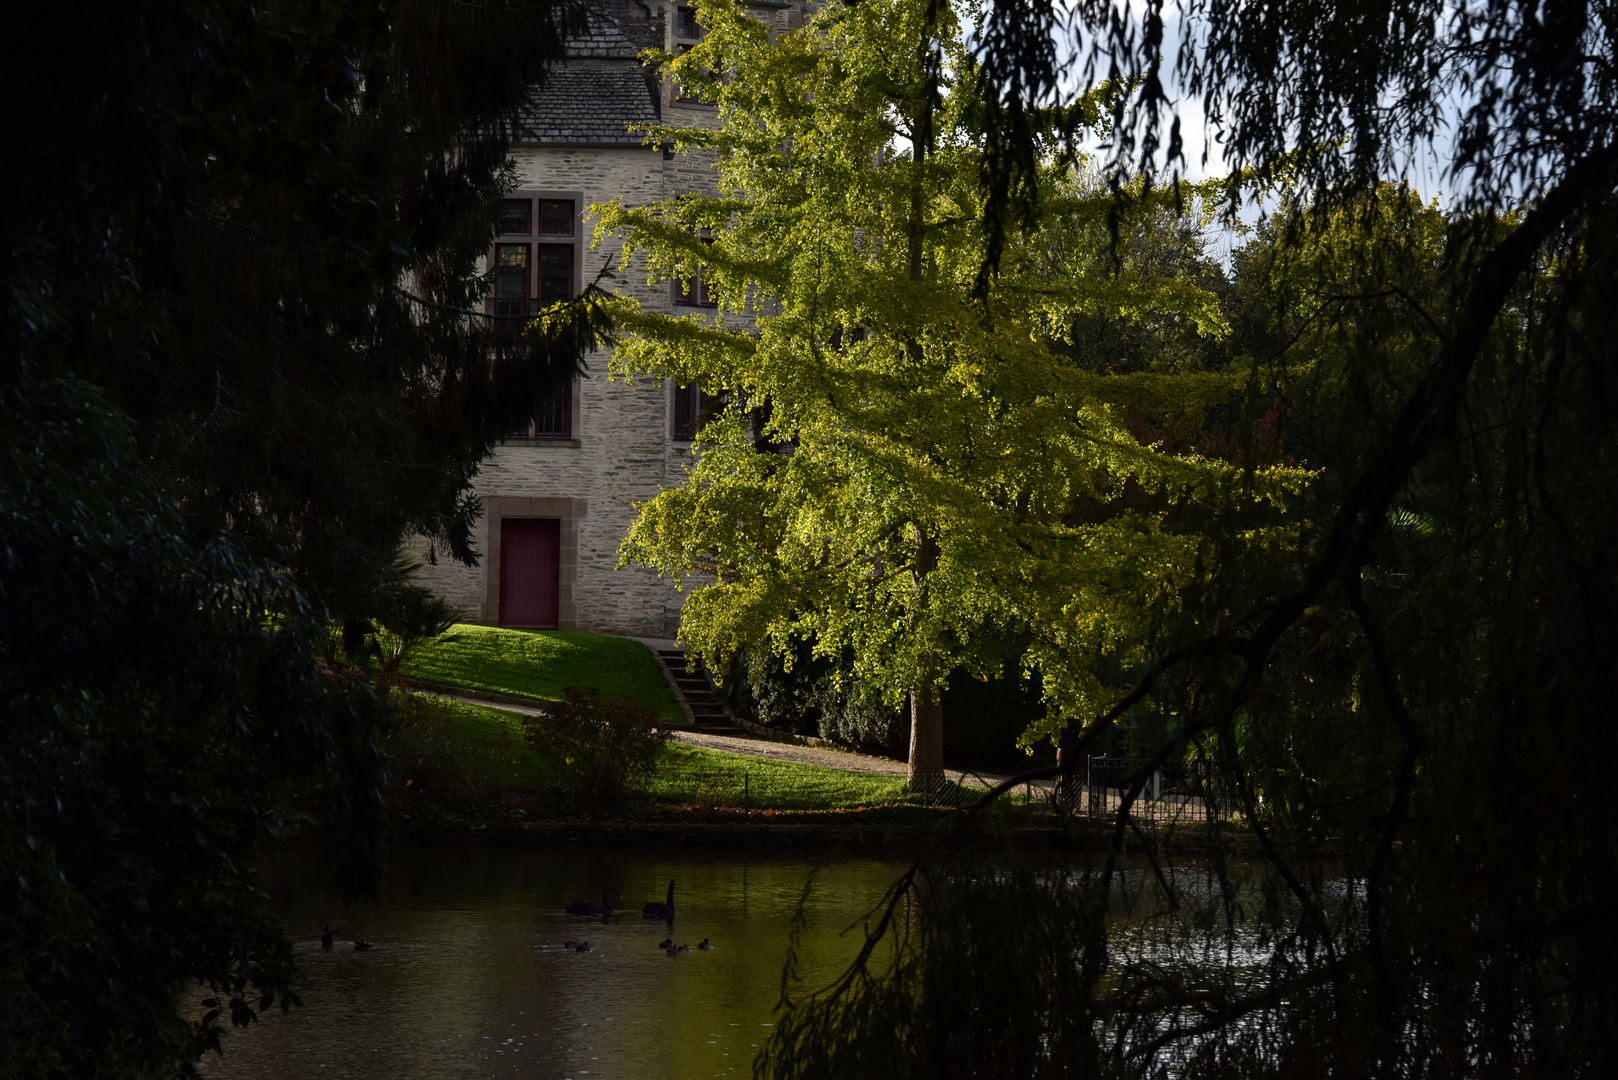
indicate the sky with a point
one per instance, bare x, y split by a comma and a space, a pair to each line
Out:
1423, 170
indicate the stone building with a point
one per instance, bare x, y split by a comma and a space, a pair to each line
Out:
559, 496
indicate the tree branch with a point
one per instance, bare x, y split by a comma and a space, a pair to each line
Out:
1415, 746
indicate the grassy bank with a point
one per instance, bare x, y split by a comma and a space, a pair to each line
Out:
458, 762
694, 776
540, 664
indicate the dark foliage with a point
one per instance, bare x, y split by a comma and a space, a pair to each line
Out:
257, 229
761, 686
984, 719
1508, 97
242, 363
161, 700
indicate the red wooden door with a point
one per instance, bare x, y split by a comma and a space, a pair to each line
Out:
530, 550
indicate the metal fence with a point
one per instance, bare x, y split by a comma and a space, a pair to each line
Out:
1173, 792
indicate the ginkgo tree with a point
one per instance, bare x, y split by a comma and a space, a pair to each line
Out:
907, 461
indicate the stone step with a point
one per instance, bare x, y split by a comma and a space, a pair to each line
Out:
697, 690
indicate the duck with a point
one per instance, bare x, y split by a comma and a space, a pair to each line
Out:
326, 943
590, 907
361, 945
666, 943
583, 946
705, 946
665, 910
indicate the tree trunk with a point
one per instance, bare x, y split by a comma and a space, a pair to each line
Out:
926, 711
926, 739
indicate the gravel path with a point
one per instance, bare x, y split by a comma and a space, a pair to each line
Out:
766, 748
815, 755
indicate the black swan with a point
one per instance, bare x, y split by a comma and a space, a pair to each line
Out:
362, 946
665, 910
591, 907
666, 943
705, 946
326, 939
676, 950
583, 946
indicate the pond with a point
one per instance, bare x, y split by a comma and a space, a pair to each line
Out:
468, 976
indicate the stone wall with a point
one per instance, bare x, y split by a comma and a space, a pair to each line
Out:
623, 451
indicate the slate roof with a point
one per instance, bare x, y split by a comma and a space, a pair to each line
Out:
604, 40
589, 105
644, 34
598, 92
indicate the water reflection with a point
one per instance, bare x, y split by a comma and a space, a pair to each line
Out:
468, 976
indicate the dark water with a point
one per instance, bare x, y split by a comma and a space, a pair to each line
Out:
468, 977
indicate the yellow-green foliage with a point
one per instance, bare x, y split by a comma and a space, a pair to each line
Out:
897, 403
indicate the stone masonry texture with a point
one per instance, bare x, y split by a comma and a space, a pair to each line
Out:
578, 144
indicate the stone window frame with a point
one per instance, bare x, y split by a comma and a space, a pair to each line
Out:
693, 292
536, 239
496, 508
679, 24
698, 401
680, 43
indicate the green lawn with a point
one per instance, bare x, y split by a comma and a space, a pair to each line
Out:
694, 776
539, 664
458, 746
485, 745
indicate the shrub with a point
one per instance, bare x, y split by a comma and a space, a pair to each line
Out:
851, 717
603, 744
816, 697
760, 684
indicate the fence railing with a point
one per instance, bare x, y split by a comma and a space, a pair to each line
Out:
1173, 792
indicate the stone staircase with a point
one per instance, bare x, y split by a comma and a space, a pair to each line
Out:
698, 691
